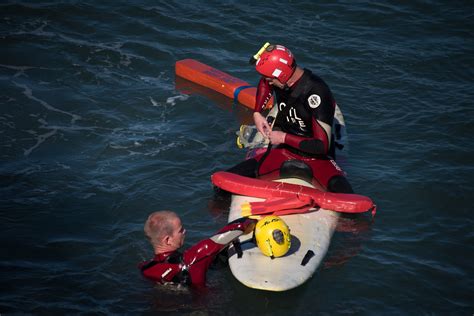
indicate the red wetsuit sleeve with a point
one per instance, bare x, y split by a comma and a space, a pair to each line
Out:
199, 257
163, 273
163, 268
321, 105
264, 94
317, 145
191, 267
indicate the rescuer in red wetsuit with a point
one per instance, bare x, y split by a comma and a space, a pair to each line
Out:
166, 234
302, 132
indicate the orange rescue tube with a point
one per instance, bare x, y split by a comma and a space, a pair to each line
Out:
207, 76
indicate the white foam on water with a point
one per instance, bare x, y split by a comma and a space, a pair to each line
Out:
4, 121
39, 140
153, 102
20, 70
29, 94
181, 97
162, 80
96, 46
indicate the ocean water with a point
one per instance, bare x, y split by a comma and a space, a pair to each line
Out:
96, 134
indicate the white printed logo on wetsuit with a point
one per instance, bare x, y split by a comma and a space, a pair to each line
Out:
314, 101
293, 116
336, 166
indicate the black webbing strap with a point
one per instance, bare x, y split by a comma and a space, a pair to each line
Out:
238, 248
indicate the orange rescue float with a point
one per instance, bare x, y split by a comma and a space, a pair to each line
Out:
207, 76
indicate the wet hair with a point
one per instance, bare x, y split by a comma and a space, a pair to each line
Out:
158, 225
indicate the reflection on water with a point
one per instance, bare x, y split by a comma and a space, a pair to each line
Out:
351, 233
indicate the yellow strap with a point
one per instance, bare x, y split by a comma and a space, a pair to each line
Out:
246, 209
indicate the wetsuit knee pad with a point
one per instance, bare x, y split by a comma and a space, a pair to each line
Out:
247, 168
296, 169
339, 184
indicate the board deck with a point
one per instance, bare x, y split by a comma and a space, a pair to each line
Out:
309, 232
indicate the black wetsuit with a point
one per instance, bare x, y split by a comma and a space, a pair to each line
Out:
306, 113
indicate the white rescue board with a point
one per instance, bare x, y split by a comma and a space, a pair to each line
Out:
310, 232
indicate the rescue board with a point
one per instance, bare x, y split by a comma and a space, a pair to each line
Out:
311, 235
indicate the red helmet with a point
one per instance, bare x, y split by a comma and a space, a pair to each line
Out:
276, 62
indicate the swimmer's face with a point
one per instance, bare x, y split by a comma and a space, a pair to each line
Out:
176, 239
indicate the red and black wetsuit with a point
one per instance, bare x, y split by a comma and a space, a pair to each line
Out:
190, 267
305, 114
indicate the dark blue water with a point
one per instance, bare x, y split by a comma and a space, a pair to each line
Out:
95, 135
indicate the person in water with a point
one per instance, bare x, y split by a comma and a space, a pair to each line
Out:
301, 135
166, 235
